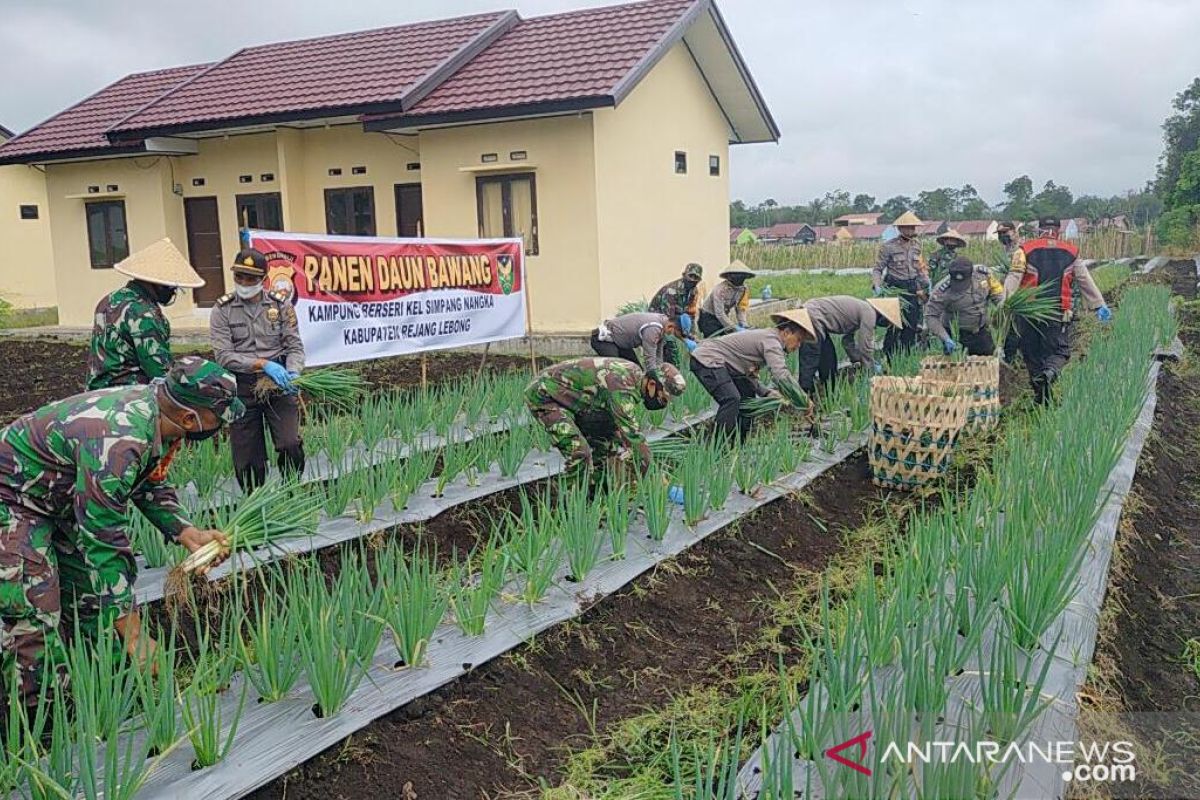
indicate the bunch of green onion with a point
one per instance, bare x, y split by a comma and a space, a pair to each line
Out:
1027, 303
790, 396
272, 513
340, 388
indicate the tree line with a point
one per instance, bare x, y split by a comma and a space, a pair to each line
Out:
1177, 180
1021, 202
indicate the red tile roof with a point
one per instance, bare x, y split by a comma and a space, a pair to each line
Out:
352, 71
972, 227
866, 232
80, 129
560, 57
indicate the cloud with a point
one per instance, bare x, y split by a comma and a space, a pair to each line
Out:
879, 96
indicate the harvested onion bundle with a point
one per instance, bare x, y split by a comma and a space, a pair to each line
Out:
272, 513
340, 388
791, 396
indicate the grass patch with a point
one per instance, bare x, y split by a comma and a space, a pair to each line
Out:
806, 287
27, 317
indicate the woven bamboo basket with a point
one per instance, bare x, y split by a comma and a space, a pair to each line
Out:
915, 425
981, 373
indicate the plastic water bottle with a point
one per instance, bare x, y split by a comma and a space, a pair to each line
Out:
766, 292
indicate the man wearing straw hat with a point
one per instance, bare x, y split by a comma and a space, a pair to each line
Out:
131, 339
939, 263
724, 309
727, 366
69, 473
855, 321
901, 269
680, 301
255, 333
1052, 266
965, 298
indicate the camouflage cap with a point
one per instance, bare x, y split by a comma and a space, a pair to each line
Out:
693, 271
196, 382
673, 380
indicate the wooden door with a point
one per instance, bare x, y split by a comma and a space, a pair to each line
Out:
409, 210
204, 248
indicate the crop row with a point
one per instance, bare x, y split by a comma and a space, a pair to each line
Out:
956, 637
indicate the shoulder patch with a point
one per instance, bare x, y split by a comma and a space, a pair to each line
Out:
225, 300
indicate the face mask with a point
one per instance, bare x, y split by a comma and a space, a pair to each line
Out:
653, 397
1005, 239
199, 435
247, 292
165, 295
737, 280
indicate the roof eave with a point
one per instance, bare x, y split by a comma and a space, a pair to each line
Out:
482, 115
668, 40
77, 154
444, 71
751, 85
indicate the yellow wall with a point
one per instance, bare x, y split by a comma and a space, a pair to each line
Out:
614, 220
152, 211
26, 258
564, 281
652, 221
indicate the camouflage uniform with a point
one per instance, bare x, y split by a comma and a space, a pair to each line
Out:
131, 339
589, 407
939, 263
675, 299
68, 472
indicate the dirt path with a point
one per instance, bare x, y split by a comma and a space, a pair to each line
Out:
1153, 604
37, 372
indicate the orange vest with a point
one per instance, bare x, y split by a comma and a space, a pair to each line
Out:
1050, 263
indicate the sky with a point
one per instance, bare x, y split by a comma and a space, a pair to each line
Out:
884, 97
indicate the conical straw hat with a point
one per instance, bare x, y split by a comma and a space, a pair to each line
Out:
161, 263
890, 308
953, 234
737, 268
796, 316
907, 218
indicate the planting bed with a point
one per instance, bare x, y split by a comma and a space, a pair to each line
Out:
507, 723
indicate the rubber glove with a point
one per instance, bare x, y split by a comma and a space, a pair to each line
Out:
878, 368
1104, 314
949, 345
279, 374
685, 323
690, 344
292, 377
675, 495
878, 291
741, 328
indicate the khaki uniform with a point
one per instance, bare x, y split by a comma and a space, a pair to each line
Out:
245, 334
728, 366
901, 266
966, 302
620, 337
851, 318
724, 308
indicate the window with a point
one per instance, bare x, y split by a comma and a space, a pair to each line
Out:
508, 208
261, 211
350, 212
409, 210
714, 166
680, 162
29, 212
108, 238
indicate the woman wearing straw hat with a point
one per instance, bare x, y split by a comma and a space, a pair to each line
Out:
724, 309
131, 339
939, 263
727, 366
902, 269
855, 321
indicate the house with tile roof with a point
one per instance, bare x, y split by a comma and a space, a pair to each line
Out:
26, 259
601, 137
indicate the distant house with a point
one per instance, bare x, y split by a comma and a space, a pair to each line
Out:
857, 219
745, 236
1119, 221
785, 231
933, 228
1071, 228
976, 228
866, 233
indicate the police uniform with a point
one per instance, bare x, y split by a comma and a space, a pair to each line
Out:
966, 302
245, 335
901, 266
